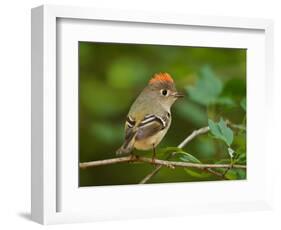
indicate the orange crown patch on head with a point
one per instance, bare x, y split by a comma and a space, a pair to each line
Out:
161, 77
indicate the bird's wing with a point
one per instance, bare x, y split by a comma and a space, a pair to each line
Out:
129, 130
151, 124
129, 126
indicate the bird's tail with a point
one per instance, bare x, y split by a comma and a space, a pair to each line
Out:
123, 151
127, 146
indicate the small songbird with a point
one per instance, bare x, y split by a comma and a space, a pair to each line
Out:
149, 117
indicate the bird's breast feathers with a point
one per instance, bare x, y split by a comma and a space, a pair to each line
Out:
150, 142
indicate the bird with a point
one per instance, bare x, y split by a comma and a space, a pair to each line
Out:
149, 117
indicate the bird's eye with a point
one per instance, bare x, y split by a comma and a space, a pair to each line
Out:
164, 92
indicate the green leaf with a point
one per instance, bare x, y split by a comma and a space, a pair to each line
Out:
226, 132
236, 174
196, 173
207, 88
165, 152
241, 173
242, 159
214, 128
231, 174
186, 157
221, 131
243, 103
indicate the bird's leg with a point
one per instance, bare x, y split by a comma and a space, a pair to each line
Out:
132, 156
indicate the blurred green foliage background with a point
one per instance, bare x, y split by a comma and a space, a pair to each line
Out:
112, 75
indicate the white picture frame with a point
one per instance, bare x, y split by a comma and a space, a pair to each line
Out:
57, 200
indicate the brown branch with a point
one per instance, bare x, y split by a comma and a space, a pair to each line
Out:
169, 164
194, 134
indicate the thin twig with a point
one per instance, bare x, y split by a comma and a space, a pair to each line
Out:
216, 173
194, 134
169, 164
89, 164
151, 174
235, 126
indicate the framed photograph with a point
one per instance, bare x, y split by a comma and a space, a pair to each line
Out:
140, 115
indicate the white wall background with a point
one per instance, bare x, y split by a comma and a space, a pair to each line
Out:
15, 112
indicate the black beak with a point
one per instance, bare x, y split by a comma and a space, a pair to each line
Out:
178, 95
